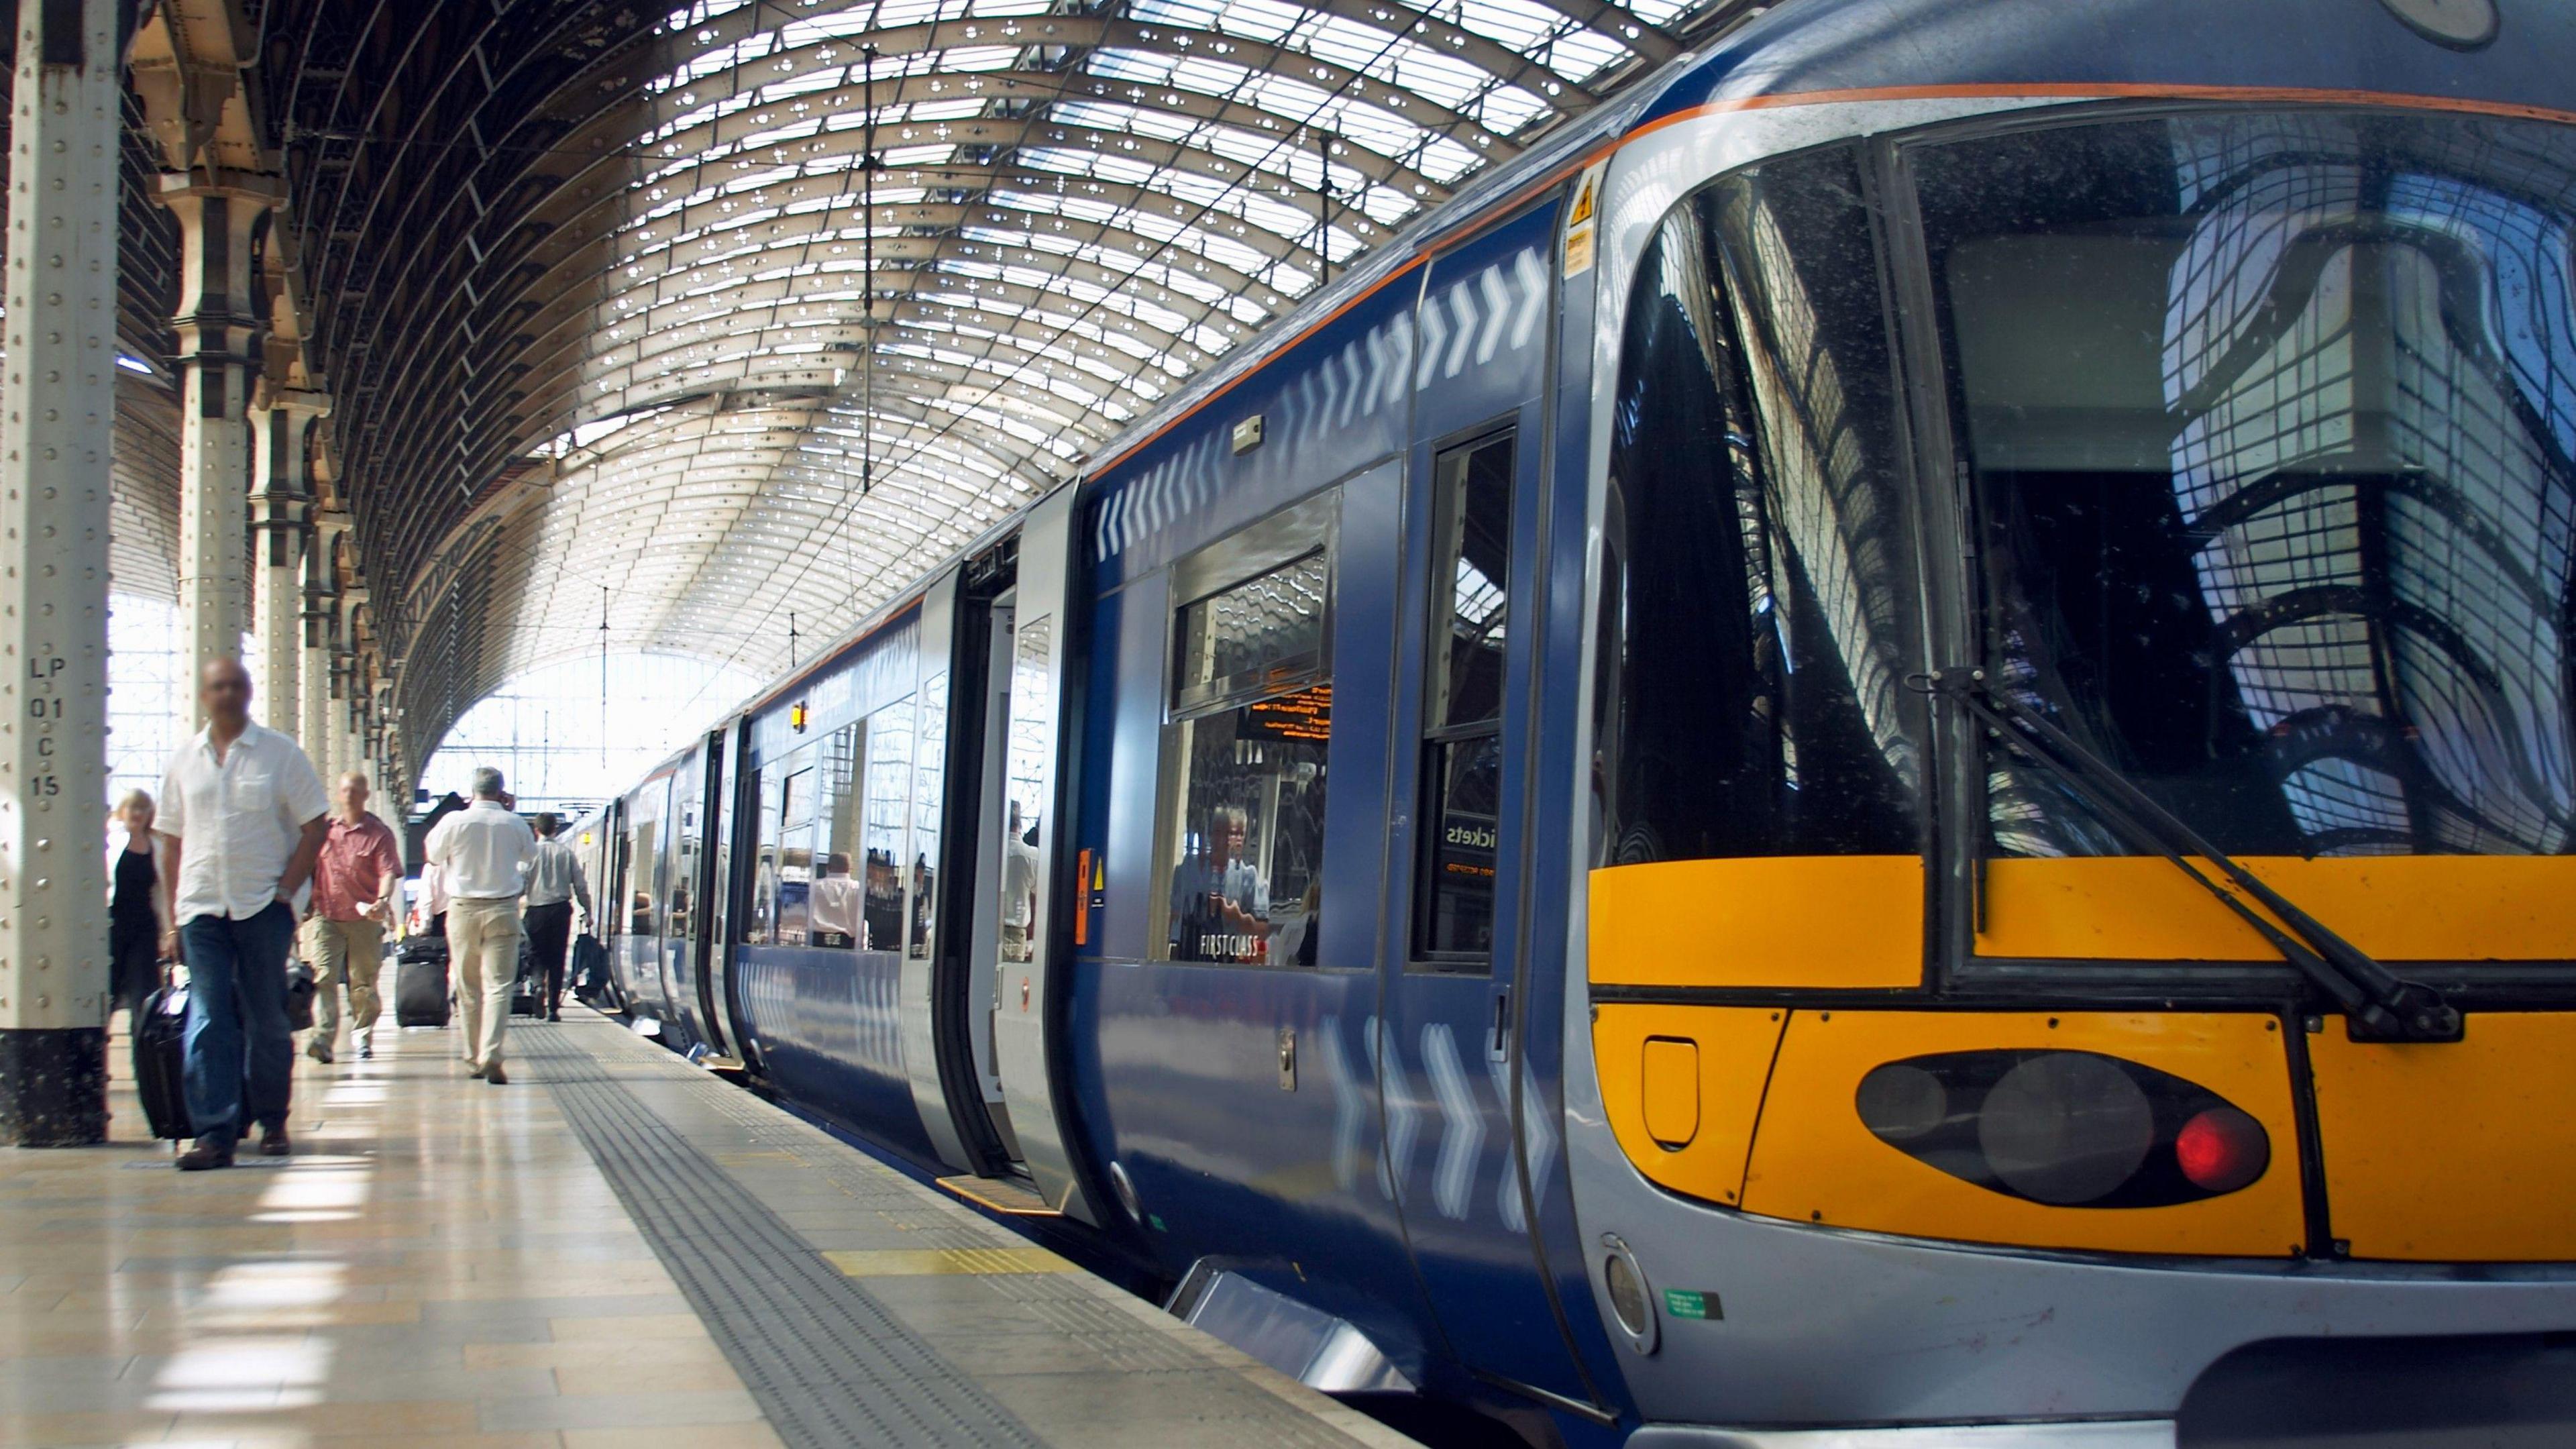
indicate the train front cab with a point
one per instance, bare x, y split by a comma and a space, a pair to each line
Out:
1908, 1081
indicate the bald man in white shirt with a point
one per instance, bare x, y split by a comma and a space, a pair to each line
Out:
243, 814
482, 853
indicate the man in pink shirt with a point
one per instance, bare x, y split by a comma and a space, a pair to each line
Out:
353, 891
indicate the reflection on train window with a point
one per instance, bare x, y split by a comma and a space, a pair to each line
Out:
1252, 721
1457, 919
680, 899
831, 892
1254, 635
1462, 716
760, 923
889, 798
1760, 611
1472, 496
1024, 785
2270, 418
929, 756
796, 848
644, 839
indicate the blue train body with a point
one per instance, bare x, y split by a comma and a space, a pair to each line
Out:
1373, 1131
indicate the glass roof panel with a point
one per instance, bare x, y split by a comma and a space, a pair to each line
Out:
887, 270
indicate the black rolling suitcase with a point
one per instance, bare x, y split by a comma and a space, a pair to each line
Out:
590, 971
528, 992
161, 1062
420, 981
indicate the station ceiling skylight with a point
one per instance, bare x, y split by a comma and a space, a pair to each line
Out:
876, 275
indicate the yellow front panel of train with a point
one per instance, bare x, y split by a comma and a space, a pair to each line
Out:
2453, 1151
1815, 1161
2397, 908
1785, 920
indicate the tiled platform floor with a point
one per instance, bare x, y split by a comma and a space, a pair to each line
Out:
441, 1263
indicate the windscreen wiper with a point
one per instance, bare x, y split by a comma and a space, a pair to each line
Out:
2380, 1005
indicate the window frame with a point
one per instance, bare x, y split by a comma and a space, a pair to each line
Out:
1436, 736
1307, 528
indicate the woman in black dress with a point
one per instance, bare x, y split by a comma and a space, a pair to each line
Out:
134, 908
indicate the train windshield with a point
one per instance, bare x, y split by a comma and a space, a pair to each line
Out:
2269, 421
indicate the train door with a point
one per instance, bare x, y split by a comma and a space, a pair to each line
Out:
945, 996
726, 785
1016, 880
1458, 1141
683, 971
609, 923
640, 949
1004, 872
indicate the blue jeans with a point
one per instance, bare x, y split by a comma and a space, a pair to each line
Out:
240, 1054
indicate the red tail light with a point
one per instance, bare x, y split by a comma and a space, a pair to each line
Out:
2222, 1149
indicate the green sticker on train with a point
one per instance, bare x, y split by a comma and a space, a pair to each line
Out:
1691, 1303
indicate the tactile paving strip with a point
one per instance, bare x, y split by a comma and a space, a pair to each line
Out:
827, 1363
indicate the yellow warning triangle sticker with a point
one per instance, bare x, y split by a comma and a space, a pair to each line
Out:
1100, 876
1583, 202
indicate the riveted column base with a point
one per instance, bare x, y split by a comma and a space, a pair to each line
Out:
53, 1086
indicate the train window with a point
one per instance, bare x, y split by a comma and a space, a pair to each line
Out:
1462, 747
1760, 609
2267, 425
929, 757
1245, 751
644, 842
1024, 776
832, 893
796, 848
889, 800
681, 897
760, 925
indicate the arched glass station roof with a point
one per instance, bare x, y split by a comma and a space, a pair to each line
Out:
729, 325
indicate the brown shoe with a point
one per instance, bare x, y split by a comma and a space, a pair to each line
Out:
496, 1076
210, 1152
272, 1140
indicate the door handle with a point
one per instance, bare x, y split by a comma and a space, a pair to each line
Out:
1498, 1042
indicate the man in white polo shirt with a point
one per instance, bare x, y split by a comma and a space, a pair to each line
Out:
482, 853
245, 816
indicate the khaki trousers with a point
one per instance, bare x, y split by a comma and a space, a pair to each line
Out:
351, 952
483, 946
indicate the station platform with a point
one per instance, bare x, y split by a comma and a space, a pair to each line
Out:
617, 1249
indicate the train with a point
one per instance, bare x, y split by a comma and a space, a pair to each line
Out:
1877, 750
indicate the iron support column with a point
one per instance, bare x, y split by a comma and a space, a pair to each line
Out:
57, 413
321, 618
216, 327
281, 508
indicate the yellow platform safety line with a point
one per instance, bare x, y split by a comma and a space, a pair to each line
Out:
934, 1262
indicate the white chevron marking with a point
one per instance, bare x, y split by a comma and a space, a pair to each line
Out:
1400, 336
1462, 310
1498, 307
1434, 332
1538, 1136
1532, 275
1377, 357
1350, 1105
1403, 1118
1462, 1125
1350, 384
1332, 384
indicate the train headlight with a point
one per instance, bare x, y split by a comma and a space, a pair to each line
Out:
2070, 1129
1630, 1302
